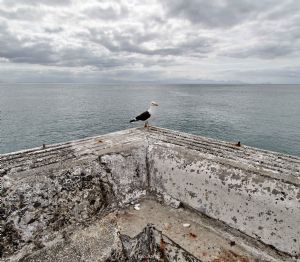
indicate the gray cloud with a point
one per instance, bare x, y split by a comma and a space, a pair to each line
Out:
283, 74
132, 43
264, 51
21, 13
36, 2
84, 57
40, 51
194, 39
53, 30
107, 13
217, 13
282, 9
23, 50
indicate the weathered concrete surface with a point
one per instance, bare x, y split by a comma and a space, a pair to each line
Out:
102, 242
123, 235
256, 192
89, 244
205, 238
48, 192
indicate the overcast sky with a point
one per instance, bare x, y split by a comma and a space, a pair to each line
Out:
252, 41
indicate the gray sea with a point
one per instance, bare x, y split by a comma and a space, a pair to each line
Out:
263, 116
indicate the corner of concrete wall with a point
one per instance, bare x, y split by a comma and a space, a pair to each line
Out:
47, 192
260, 206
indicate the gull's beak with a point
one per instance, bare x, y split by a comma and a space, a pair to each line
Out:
154, 103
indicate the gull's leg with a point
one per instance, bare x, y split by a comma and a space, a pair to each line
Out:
146, 124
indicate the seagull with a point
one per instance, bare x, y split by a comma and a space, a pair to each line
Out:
146, 115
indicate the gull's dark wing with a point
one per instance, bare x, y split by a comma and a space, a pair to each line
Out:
143, 116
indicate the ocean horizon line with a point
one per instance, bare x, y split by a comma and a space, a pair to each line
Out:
148, 82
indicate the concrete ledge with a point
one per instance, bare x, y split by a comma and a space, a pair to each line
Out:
48, 191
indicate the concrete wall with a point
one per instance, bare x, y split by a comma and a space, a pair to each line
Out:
47, 192
252, 198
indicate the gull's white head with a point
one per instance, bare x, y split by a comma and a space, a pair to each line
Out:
152, 108
153, 103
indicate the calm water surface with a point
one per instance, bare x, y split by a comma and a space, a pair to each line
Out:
263, 116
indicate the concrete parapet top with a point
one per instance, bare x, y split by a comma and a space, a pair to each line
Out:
277, 165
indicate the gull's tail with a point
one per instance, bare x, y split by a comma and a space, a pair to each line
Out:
132, 120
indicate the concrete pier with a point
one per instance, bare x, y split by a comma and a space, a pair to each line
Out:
244, 202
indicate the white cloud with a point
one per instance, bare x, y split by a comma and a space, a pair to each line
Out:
190, 40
